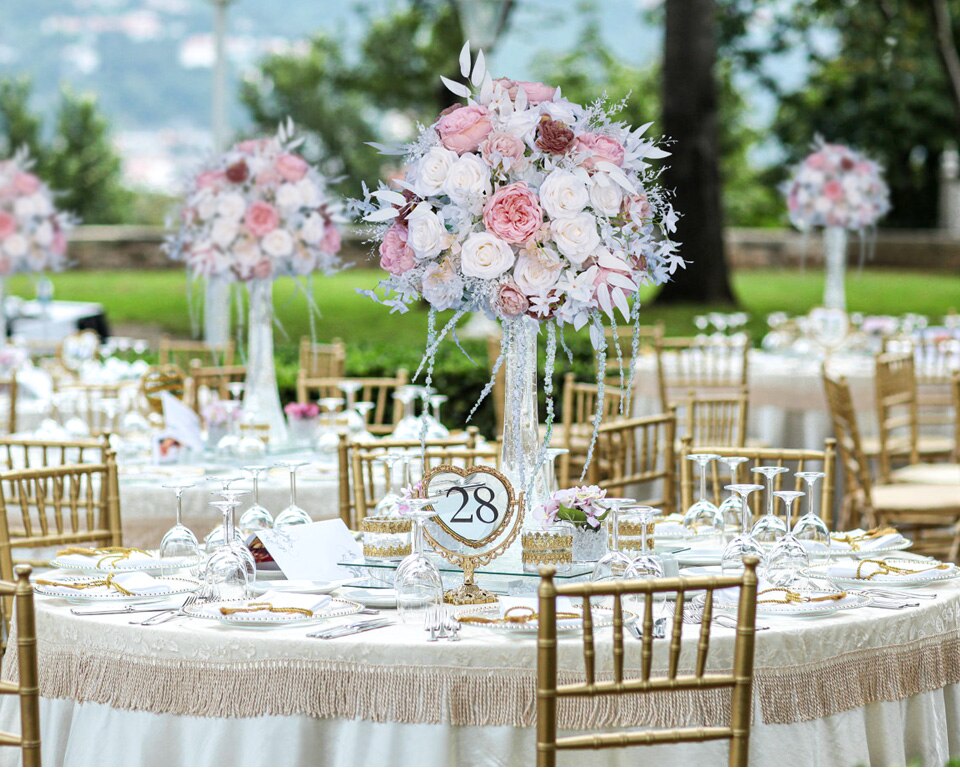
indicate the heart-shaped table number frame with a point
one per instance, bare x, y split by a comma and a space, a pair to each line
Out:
477, 516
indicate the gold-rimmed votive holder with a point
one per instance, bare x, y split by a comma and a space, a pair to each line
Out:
547, 546
385, 537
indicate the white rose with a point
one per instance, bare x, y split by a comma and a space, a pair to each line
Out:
309, 192
467, 179
313, 229
562, 194
441, 286
432, 170
247, 254
223, 232
207, 207
605, 195
23, 207
277, 243
303, 263
43, 235
289, 197
231, 206
484, 255
42, 205
536, 272
15, 245
576, 237
426, 234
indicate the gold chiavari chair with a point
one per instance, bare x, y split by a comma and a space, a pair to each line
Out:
794, 459
895, 386
622, 682
159, 379
715, 420
184, 352
63, 505
708, 366
76, 349
212, 382
322, 360
929, 511
19, 453
624, 333
90, 401
578, 406
956, 416
26, 686
637, 455
387, 410
8, 389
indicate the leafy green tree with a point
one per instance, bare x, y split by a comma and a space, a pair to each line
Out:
19, 127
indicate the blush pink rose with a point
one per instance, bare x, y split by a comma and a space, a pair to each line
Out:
535, 91
209, 179
269, 176
601, 147
832, 190
5, 265
396, 257
509, 301
261, 218
252, 146
292, 167
502, 145
26, 183
59, 243
817, 161
464, 129
331, 240
8, 224
513, 213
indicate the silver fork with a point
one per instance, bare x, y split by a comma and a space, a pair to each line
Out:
163, 617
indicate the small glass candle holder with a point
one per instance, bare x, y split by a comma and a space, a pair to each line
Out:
550, 545
385, 537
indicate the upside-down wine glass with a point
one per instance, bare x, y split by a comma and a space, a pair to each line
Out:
788, 557
225, 573
179, 542
238, 546
292, 514
703, 517
744, 543
417, 579
256, 516
810, 528
730, 508
769, 527
645, 564
215, 538
397, 469
614, 562
550, 466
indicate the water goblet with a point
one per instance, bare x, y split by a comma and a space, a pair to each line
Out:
810, 528
292, 514
703, 517
397, 472
226, 573
550, 468
788, 557
256, 516
730, 508
645, 564
417, 579
769, 527
179, 542
744, 544
614, 562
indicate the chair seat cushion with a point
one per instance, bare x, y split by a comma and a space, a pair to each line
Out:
910, 497
927, 445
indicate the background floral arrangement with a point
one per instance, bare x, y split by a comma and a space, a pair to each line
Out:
836, 186
580, 506
258, 211
33, 233
301, 410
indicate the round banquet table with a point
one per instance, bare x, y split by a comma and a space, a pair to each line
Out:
864, 687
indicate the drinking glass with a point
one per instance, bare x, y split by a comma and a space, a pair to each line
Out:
769, 527
730, 508
226, 573
397, 468
703, 517
810, 528
292, 515
614, 562
645, 564
437, 431
744, 544
256, 516
417, 579
352, 416
788, 557
179, 542
550, 465
408, 427
238, 546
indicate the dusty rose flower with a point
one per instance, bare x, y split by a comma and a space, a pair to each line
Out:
535, 91
269, 176
554, 137
331, 240
261, 218
601, 147
464, 129
513, 213
26, 183
510, 302
237, 172
8, 224
291, 167
405, 210
209, 179
833, 190
59, 243
500, 146
396, 257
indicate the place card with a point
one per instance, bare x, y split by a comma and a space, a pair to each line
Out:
180, 422
312, 551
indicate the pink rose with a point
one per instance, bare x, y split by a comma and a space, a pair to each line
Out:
331, 240
817, 160
26, 183
396, 257
209, 179
261, 218
267, 177
292, 167
513, 213
637, 207
464, 129
500, 146
535, 91
5, 265
832, 190
8, 224
252, 146
59, 243
601, 147
509, 301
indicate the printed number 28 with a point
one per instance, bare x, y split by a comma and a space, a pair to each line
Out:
484, 505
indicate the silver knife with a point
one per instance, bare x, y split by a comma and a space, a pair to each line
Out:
121, 610
349, 627
369, 626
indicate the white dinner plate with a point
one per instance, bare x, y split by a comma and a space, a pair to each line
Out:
602, 618
263, 620
148, 561
892, 580
177, 585
382, 598
295, 586
840, 549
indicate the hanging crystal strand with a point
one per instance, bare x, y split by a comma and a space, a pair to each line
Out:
600, 343
634, 351
428, 381
3, 312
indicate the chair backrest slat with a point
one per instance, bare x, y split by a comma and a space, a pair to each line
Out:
27, 684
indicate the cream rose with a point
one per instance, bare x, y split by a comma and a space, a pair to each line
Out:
562, 194
605, 195
467, 179
427, 235
442, 287
484, 255
432, 170
277, 243
313, 228
309, 193
24, 208
576, 237
207, 206
537, 271
223, 232
43, 236
289, 197
231, 206
15, 245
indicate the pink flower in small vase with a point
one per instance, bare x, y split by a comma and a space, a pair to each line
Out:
261, 218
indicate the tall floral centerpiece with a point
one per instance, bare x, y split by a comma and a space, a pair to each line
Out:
33, 233
840, 190
534, 210
259, 212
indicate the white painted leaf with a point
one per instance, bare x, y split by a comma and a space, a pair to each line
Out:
465, 59
620, 300
458, 89
386, 150
384, 214
521, 101
486, 89
479, 70
638, 132
385, 195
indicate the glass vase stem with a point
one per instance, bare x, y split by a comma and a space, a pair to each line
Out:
261, 399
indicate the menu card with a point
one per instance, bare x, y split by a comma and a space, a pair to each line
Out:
312, 551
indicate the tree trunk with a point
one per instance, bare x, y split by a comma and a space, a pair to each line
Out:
690, 118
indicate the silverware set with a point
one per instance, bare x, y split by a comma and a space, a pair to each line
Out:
197, 597
440, 623
346, 629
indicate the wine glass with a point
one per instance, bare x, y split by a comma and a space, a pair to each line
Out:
810, 528
238, 546
397, 469
292, 515
614, 562
645, 564
226, 573
703, 517
179, 542
550, 466
417, 579
436, 430
744, 544
769, 527
788, 557
256, 516
730, 508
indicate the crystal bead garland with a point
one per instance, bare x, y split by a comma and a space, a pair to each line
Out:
261, 398
3, 311
835, 265
216, 311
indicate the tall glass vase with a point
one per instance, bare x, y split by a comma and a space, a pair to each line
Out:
216, 311
261, 399
835, 266
521, 428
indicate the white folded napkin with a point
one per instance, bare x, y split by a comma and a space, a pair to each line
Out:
862, 569
140, 583
283, 599
671, 527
